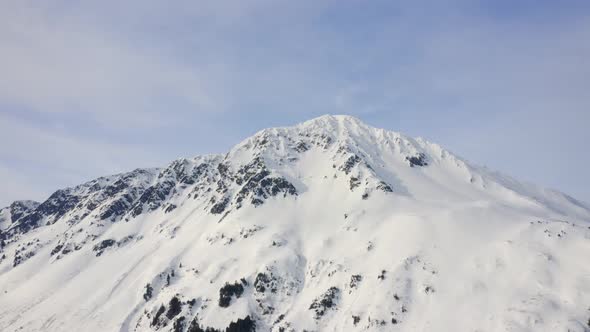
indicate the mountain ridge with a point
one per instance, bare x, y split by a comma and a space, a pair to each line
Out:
344, 126
321, 201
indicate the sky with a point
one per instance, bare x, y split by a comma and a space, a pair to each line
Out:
91, 88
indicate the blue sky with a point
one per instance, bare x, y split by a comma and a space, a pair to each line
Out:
91, 88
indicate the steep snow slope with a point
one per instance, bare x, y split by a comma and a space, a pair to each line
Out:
330, 225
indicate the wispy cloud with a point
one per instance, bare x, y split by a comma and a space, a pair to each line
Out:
140, 82
58, 63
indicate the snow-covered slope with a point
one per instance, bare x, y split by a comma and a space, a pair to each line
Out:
330, 225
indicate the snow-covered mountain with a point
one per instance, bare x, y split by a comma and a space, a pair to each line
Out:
330, 225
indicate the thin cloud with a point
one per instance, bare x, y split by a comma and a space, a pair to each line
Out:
143, 82
58, 64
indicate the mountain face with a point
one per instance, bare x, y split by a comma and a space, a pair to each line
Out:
330, 225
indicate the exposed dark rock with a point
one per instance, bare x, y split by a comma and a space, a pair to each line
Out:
220, 206
158, 314
55, 207
28, 222
264, 282
120, 206
78, 202
148, 292
265, 308
174, 308
276, 185
384, 187
153, 197
223, 170
248, 232
380, 322
180, 171
196, 173
67, 249
170, 208
102, 245
195, 327
58, 204
355, 320
354, 182
228, 291
417, 160
117, 186
350, 163
179, 324
327, 301
279, 319
20, 208
242, 325
247, 171
246, 324
56, 249
259, 185
252, 182
355, 280
21, 256
301, 147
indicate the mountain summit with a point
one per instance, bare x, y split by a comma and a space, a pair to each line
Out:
329, 225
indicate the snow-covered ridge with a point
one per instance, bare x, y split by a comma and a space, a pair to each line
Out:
327, 225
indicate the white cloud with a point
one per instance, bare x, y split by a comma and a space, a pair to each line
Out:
57, 63
160, 72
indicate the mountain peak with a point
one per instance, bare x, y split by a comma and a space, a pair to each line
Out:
334, 125
341, 126
334, 120
342, 131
